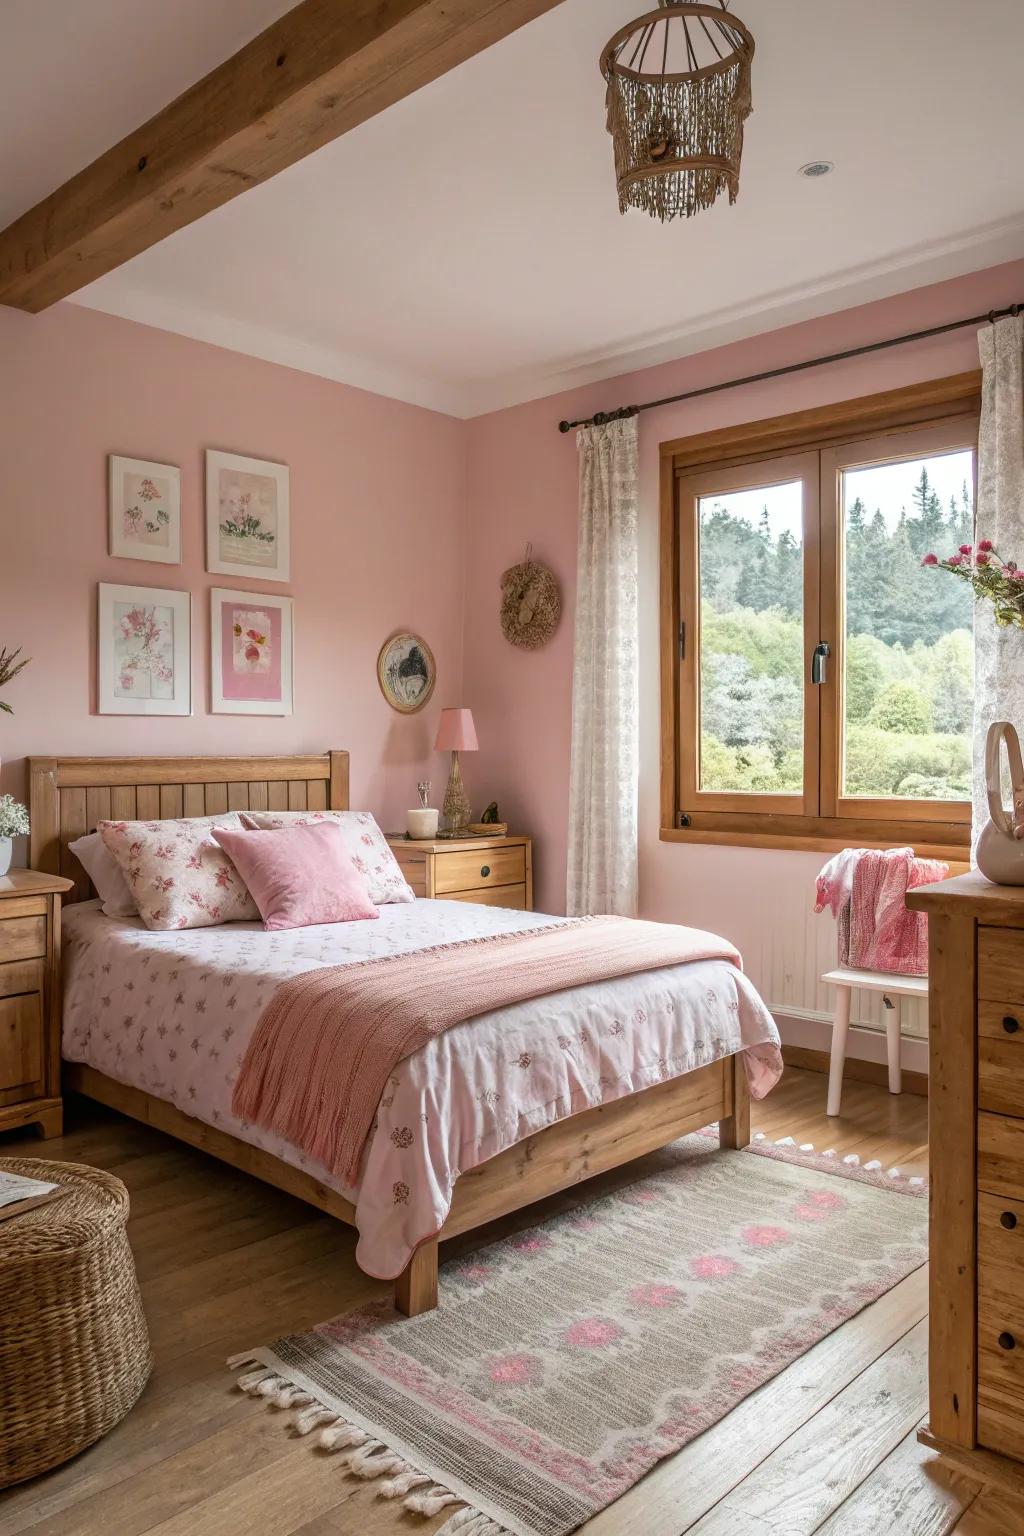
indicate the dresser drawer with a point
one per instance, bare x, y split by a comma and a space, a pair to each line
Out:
22, 938
476, 869
1001, 1325
513, 896
1001, 1155
1001, 966
1001, 1058
21, 1041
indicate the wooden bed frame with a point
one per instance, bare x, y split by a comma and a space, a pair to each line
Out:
69, 795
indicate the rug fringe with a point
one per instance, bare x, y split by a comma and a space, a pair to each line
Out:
788, 1144
365, 1456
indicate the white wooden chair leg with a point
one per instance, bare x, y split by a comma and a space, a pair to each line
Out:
894, 1034
840, 1030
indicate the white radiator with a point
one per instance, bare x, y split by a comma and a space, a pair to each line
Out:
794, 948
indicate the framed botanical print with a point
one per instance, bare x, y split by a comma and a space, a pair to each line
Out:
144, 651
145, 510
250, 653
406, 672
247, 525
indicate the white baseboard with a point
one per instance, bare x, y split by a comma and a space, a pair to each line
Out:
862, 1044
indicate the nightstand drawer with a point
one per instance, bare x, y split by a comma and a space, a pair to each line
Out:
1001, 1156
21, 1040
476, 869
513, 896
22, 938
21, 976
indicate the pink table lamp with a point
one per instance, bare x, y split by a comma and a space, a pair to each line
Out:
456, 733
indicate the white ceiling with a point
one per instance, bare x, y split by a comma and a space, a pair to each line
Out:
464, 249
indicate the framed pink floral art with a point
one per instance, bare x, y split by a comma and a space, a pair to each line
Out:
145, 510
144, 651
250, 653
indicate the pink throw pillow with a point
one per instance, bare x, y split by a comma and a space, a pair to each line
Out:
299, 876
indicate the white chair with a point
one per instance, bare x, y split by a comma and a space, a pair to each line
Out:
844, 978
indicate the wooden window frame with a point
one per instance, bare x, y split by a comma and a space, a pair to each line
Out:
820, 819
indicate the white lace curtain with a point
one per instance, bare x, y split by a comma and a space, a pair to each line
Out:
604, 771
999, 653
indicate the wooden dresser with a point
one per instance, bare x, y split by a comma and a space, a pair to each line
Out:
30, 1000
495, 870
976, 1153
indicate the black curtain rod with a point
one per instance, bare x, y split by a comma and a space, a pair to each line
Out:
600, 418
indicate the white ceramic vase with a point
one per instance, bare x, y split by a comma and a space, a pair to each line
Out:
6, 850
1000, 851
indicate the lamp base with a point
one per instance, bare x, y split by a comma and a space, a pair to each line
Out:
456, 807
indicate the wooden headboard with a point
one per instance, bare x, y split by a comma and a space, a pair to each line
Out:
69, 795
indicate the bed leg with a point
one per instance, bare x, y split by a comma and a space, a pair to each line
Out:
416, 1286
734, 1129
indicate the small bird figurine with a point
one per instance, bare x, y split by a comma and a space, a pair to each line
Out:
490, 816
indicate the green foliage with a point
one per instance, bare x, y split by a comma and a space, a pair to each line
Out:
908, 654
904, 710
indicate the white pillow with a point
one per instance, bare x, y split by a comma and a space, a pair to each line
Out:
365, 845
105, 873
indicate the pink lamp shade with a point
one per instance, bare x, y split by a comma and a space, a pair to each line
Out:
456, 731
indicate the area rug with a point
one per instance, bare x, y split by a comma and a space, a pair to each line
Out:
564, 1361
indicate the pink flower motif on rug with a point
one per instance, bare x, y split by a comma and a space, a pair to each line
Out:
765, 1237
819, 1205
515, 1370
475, 1272
713, 1266
654, 1295
592, 1333
640, 1196
530, 1242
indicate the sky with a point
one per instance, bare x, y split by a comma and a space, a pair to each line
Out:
885, 486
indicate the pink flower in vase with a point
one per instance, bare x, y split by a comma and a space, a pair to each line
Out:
981, 559
127, 680
930, 560
965, 549
955, 560
985, 544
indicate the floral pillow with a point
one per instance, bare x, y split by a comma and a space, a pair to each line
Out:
177, 873
364, 842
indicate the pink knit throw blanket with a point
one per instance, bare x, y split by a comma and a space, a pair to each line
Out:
328, 1040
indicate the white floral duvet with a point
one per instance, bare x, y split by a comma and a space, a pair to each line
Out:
173, 1012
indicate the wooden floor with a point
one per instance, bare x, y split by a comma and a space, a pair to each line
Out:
227, 1263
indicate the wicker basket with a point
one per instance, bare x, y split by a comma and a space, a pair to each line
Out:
74, 1347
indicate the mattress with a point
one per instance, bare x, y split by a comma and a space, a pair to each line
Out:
171, 1013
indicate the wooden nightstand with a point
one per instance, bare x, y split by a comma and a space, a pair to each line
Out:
30, 1000
497, 871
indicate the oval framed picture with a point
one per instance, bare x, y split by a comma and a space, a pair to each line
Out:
406, 672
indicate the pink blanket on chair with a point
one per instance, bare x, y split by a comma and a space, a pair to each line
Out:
329, 1040
865, 889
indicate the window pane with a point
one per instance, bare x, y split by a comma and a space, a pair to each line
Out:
751, 640
908, 680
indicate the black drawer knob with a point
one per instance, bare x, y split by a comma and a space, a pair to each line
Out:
485, 870
1007, 1341
1008, 1220
1011, 1025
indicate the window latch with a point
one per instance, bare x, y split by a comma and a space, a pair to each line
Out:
819, 662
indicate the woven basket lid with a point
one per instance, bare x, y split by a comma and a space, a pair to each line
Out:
91, 1205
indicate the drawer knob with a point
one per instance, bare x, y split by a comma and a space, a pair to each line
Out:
485, 870
1011, 1025
1008, 1220
1007, 1341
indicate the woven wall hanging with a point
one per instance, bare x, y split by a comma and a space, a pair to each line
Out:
531, 604
678, 94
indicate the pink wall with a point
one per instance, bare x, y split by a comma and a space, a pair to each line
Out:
377, 499
522, 486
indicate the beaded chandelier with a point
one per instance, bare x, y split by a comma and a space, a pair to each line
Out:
678, 95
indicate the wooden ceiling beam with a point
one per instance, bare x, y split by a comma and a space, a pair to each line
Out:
318, 71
